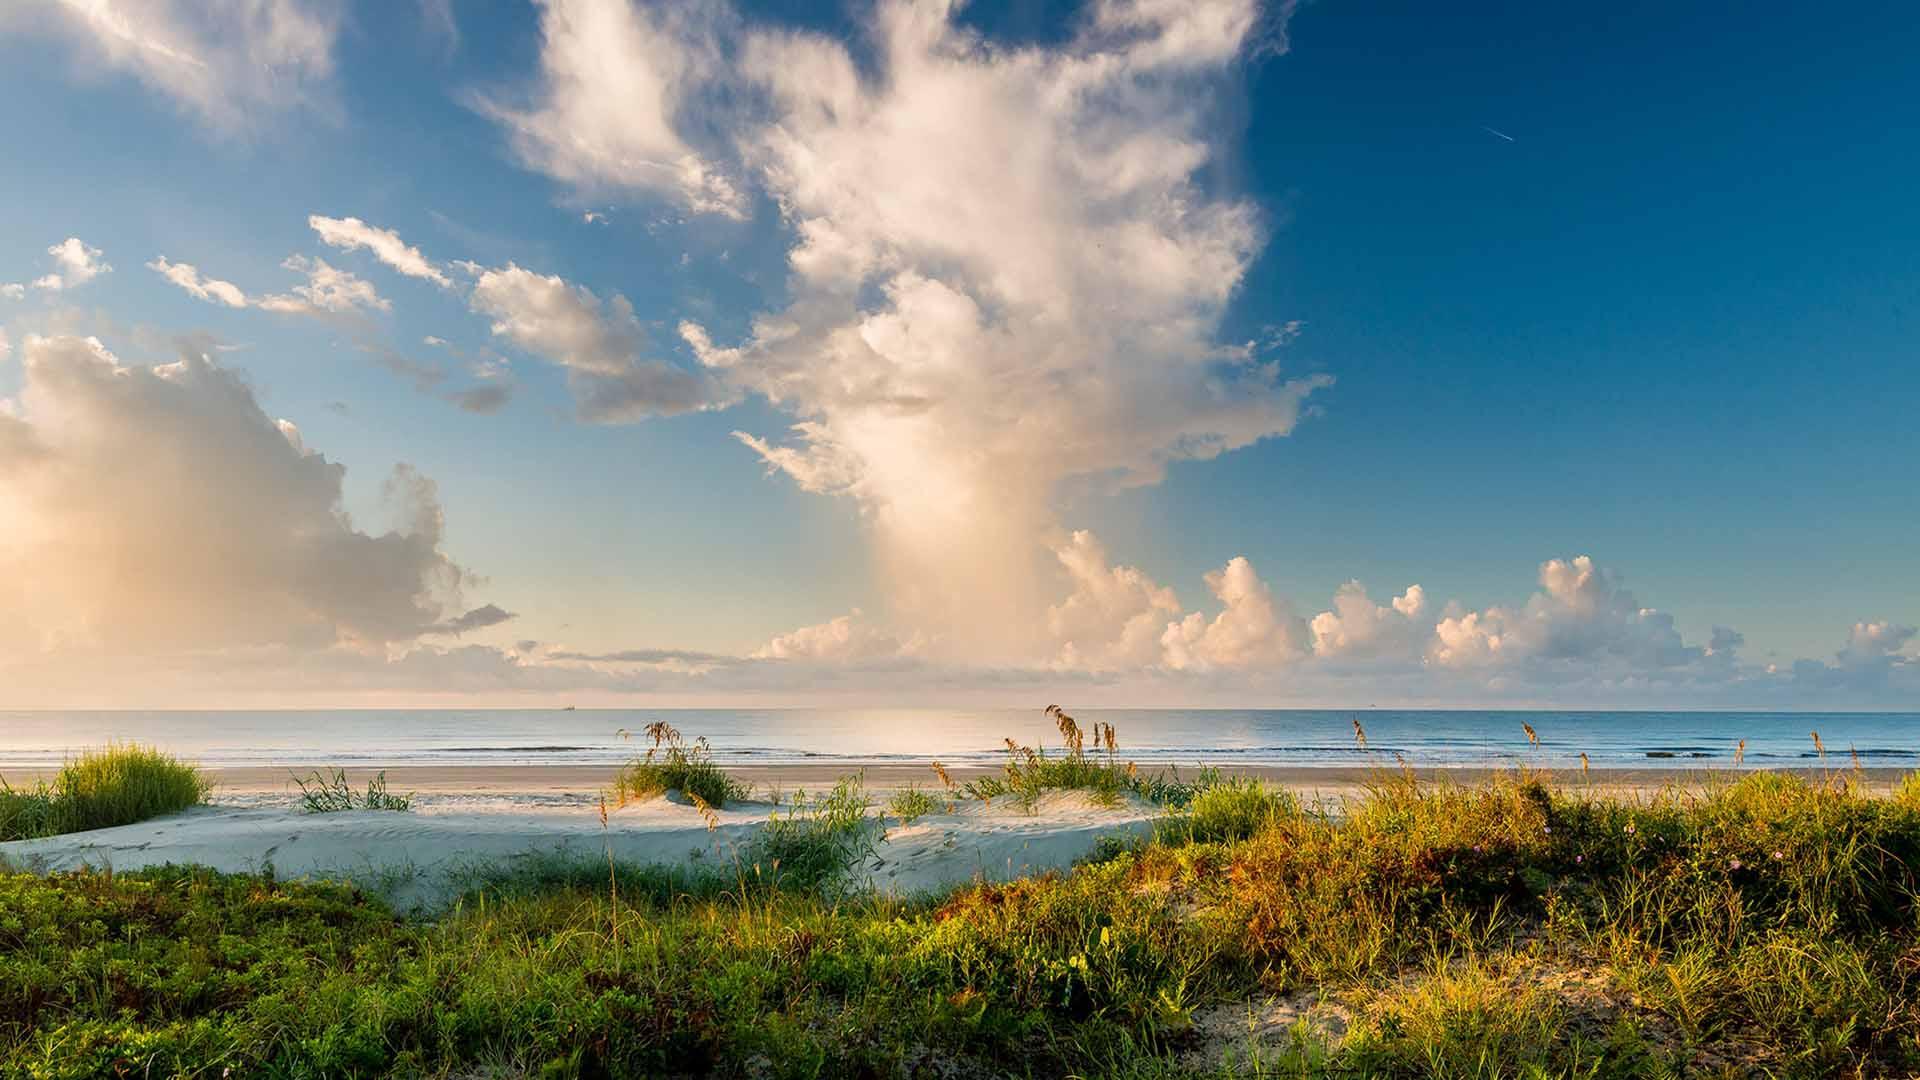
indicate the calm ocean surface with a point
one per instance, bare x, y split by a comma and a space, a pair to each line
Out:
779, 736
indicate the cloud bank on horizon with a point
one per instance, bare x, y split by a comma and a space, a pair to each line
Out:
1007, 269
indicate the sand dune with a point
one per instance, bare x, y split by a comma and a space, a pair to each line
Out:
422, 859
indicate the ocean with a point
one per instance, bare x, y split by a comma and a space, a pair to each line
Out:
1299, 737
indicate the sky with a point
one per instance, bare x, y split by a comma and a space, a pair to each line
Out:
1133, 352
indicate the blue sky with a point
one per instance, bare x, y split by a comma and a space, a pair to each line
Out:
1633, 283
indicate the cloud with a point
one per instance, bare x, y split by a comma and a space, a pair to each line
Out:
483, 400
844, 639
229, 63
690, 657
615, 82
352, 234
1582, 616
158, 511
327, 291
1253, 631
13, 290
78, 265
1357, 628
1115, 615
187, 277
479, 618
598, 343
1006, 273
6, 346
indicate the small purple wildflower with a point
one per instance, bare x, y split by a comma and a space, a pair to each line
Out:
1779, 855
1547, 828
1735, 864
1629, 828
1579, 858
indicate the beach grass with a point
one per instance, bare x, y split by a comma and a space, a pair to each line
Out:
1029, 772
330, 793
115, 785
913, 801
673, 764
1768, 925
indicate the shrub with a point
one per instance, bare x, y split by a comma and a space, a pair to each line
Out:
671, 764
118, 785
330, 795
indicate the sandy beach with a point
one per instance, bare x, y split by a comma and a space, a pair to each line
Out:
472, 818
422, 860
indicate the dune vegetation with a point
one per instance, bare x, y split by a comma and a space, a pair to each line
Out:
671, 764
1768, 925
117, 785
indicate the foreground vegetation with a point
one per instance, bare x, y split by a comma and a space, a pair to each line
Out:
1768, 927
118, 785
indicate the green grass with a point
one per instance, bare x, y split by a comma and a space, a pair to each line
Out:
118, 785
1767, 927
815, 843
913, 801
1227, 809
331, 794
671, 764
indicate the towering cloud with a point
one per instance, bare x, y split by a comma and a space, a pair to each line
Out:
1005, 274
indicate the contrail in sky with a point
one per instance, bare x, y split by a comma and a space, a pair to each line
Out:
1501, 134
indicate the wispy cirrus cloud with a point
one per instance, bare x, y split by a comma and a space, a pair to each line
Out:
231, 64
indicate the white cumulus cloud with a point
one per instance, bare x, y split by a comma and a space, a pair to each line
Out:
1358, 628
1114, 616
1254, 630
844, 639
78, 264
